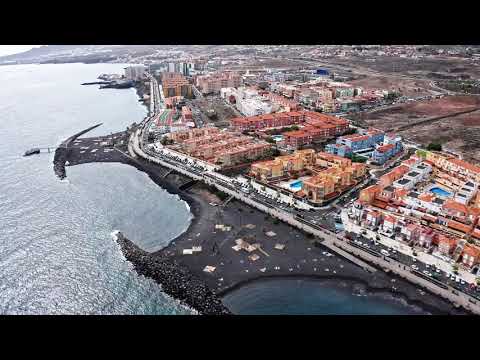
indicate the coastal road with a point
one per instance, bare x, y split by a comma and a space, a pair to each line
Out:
329, 239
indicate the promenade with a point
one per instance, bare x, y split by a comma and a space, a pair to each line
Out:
329, 239
335, 243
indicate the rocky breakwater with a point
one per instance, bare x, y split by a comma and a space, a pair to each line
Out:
59, 160
176, 280
62, 152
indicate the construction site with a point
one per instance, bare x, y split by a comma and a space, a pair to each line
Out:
213, 110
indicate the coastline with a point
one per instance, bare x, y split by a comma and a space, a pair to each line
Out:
300, 259
175, 279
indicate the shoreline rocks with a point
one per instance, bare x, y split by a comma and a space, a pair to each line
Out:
175, 279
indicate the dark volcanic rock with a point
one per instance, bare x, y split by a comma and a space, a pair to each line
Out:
176, 280
59, 160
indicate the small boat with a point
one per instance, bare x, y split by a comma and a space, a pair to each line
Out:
32, 152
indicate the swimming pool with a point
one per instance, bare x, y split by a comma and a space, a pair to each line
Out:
297, 185
277, 137
440, 192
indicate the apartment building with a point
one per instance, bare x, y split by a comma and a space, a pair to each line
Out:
453, 166
338, 149
175, 84
219, 147
135, 73
212, 83
324, 176
362, 141
287, 104
267, 121
283, 165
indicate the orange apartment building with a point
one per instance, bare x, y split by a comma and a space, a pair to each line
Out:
267, 121
283, 165
318, 127
175, 84
453, 170
218, 147
331, 174
212, 83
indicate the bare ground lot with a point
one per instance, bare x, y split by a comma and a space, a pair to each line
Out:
411, 113
406, 87
408, 66
221, 114
459, 134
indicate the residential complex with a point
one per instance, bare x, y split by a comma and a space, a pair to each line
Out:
224, 148
212, 83
317, 177
175, 84
267, 121
372, 143
318, 127
432, 201
251, 101
322, 93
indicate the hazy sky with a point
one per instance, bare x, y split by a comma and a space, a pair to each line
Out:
13, 49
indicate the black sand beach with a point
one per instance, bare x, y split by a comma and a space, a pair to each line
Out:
299, 258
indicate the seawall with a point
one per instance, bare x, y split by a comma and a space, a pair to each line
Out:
175, 279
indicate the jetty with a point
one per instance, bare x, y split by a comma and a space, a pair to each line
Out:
39, 150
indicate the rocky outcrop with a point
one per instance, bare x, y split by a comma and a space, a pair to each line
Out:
59, 160
175, 279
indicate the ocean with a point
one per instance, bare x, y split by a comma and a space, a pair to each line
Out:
57, 255
314, 297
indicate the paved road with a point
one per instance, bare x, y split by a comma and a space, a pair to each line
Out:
336, 243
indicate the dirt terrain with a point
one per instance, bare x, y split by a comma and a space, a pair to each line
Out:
411, 113
417, 121
221, 113
407, 66
407, 87
459, 134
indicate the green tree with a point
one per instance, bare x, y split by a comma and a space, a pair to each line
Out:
455, 268
270, 140
434, 147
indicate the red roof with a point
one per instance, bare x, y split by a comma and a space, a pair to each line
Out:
385, 148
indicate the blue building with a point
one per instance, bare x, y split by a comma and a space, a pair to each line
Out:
392, 146
366, 139
338, 149
322, 72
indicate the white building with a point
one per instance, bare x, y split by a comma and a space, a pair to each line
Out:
414, 176
423, 168
466, 192
403, 183
254, 106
